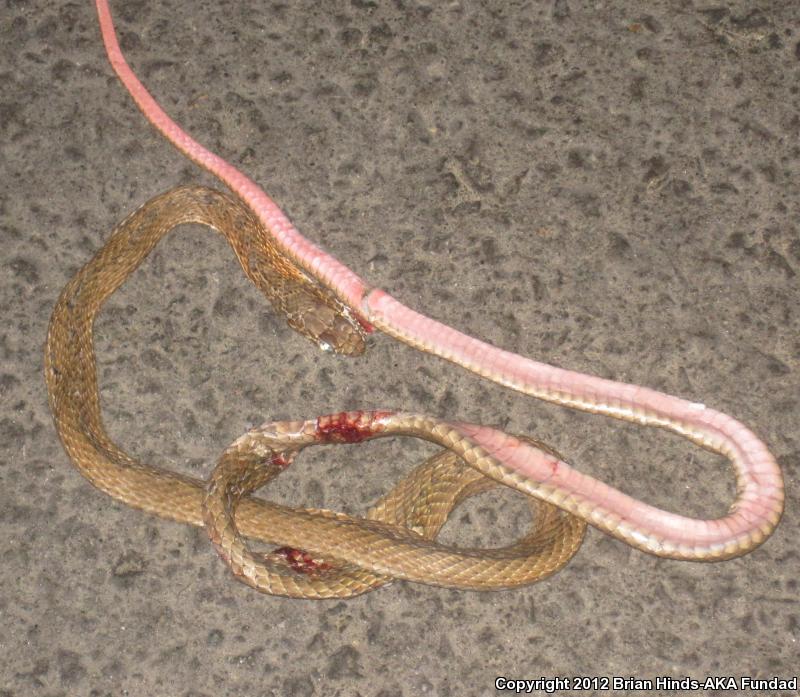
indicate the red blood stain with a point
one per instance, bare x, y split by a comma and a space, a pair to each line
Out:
301, 561
279, 460
366, 326
349, 426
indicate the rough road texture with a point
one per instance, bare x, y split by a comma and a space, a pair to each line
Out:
622, 192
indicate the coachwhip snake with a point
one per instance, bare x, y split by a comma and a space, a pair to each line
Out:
332, 305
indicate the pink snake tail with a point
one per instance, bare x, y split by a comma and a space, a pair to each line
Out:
759, 503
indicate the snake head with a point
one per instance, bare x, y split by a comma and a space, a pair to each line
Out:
331, 328
310, 308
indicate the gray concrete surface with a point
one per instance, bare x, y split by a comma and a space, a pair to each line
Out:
606, 188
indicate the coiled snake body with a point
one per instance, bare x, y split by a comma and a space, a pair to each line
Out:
326, 554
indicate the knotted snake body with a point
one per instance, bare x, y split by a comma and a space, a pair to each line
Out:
332, 305
341, 556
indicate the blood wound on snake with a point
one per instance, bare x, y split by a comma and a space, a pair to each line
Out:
327, 554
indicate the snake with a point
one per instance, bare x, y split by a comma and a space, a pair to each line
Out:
336, 308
